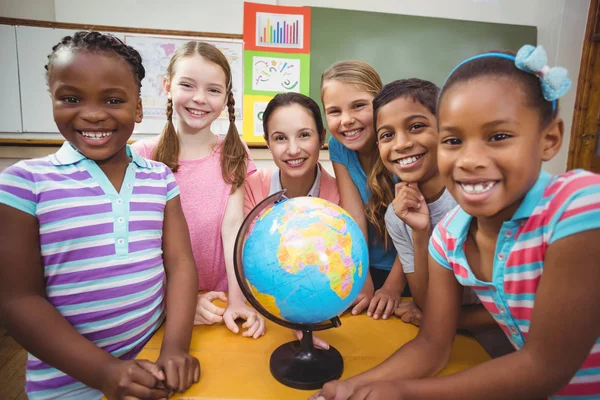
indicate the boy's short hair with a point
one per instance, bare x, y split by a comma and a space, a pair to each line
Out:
419, 90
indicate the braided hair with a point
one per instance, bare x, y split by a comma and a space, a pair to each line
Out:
234, 155
98, 42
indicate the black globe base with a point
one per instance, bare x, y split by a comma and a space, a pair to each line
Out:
300, 365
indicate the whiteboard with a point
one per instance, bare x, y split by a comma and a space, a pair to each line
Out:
10, 104
35, 43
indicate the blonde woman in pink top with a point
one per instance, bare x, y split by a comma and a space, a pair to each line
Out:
294, 133
210, 172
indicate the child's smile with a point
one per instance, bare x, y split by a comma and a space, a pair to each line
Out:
477, 190
197, 113
352, 134
409, 162
96, 137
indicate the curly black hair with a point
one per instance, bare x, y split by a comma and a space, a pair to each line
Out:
99, 42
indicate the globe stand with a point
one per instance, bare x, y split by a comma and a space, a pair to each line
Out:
297, 364
300, 365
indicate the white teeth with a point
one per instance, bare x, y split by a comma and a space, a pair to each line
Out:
295, 162
408, 160
477, 188
196, 112
96, 135
352, 133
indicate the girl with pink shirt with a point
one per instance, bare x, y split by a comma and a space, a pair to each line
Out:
210, 171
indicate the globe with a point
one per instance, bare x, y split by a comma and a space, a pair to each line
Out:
305, 260
301, 262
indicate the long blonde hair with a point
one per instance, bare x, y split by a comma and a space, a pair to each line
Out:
381, 184
234, 157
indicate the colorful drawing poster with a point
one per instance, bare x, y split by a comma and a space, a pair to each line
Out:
258, 112
254, 107
281, 29
272, 73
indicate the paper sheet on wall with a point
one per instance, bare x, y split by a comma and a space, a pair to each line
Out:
270, 73
275, 74
253, 123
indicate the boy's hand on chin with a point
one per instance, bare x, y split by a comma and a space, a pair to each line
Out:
409, 205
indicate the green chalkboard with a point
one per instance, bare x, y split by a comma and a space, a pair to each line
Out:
402, 46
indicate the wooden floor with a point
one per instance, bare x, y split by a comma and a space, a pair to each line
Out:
12, 368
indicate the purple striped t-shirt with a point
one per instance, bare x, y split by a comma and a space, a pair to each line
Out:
101, 252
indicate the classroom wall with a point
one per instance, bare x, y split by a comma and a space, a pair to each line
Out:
28, 9
560, 23
224, 16
518, 12
569, 45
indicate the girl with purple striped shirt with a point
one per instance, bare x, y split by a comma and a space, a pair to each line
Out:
93, 237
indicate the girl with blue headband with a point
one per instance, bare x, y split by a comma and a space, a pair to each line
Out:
526, 242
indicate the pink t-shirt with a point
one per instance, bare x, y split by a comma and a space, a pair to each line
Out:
204, 196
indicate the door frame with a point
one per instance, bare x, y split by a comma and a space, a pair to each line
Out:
582, 147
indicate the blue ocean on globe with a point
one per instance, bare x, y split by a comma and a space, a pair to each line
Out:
305, 260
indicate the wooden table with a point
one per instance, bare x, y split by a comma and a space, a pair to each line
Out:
235, 367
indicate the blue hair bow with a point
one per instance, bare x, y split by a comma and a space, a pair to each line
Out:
555, 80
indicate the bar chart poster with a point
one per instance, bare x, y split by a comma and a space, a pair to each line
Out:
281, 29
